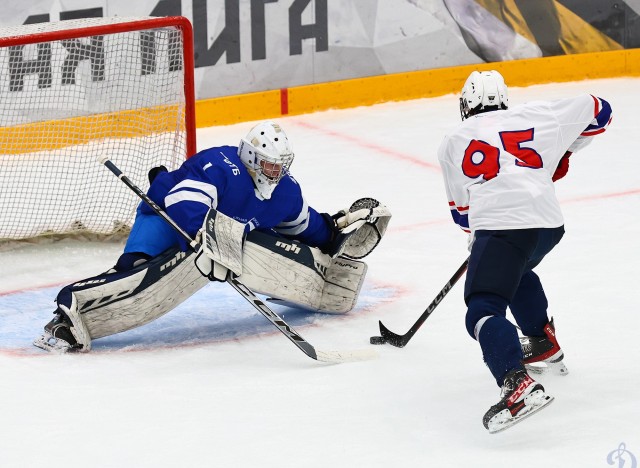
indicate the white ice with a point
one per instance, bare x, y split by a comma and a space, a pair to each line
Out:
214, 384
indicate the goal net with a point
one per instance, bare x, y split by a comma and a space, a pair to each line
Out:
76, 90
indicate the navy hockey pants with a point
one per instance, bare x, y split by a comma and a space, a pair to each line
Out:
499, 276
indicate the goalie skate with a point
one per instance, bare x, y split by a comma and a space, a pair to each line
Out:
50, 343
57, 337
521, 397
542, 354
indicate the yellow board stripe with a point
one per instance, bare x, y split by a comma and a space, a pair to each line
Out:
237, 108
412, 85
54, 134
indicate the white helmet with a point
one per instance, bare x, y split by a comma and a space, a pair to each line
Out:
483, 91
266, 153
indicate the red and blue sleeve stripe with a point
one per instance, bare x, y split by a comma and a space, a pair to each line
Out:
460, 216
601, 117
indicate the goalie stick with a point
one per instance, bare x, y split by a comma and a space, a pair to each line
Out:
280, 324
400, 341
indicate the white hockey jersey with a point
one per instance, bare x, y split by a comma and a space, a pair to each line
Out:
498, 165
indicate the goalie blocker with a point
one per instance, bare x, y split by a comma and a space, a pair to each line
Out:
292, 273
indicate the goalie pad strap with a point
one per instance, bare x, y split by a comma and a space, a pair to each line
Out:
68, 304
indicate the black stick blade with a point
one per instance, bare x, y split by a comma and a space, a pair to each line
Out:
389, 337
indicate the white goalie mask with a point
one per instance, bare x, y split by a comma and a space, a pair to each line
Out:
266, 153
483, 91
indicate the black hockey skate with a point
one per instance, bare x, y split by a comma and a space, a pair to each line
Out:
543, 353
57, 335
521, 397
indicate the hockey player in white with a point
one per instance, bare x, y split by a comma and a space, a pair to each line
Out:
499, 167
265, 234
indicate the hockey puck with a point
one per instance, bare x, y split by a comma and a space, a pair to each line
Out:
377, 340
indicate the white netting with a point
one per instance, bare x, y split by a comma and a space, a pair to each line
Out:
67, 25
65, 102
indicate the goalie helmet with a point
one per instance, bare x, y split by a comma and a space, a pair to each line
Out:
266, 153
483, 92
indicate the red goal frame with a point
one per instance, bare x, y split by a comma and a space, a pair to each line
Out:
136, 25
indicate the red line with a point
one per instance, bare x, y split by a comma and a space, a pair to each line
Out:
411, 227
284, 101
445, 220
602, 196
398, 291
34, 288
404, 228
366, 144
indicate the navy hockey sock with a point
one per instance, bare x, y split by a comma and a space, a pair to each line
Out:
130, 260
481, 305
500, 347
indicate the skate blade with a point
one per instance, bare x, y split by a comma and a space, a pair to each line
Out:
534, 402
539, 368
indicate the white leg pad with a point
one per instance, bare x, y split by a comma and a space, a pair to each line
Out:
115, 302
290, 272
342, 285
298, 275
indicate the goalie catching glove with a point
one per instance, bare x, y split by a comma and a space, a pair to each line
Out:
222, 240
358, 230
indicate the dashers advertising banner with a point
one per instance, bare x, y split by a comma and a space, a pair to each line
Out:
243, 46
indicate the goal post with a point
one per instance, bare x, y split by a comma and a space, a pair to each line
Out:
75, 90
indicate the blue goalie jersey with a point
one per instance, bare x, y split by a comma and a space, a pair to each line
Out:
217, 178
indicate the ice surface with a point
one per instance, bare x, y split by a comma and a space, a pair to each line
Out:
214, 384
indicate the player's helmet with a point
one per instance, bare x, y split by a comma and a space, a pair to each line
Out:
266, 153
483, 92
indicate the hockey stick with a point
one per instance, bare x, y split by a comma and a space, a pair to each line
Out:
400, 341
287, 330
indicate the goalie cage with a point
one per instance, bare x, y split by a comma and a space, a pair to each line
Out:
75, 90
